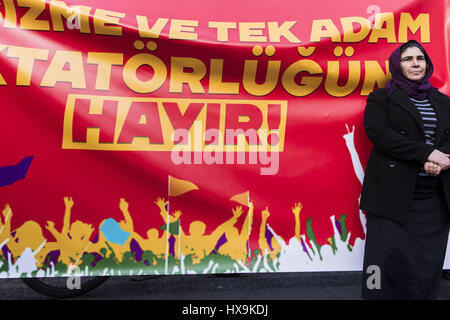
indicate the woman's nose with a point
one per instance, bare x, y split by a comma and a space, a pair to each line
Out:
415, 63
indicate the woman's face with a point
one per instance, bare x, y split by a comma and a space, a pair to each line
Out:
413, 64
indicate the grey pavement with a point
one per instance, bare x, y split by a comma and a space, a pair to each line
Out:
261, 286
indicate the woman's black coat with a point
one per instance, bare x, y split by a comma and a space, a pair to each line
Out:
395, 127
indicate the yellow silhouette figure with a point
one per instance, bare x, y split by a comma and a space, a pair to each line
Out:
236, 245
197, 244
173, 218
276, 247
262, 241
154, 242
72, 241
296, 211
116, 249
28, 235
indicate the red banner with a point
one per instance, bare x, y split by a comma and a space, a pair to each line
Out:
193, 136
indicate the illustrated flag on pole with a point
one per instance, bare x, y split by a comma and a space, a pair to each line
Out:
244, 199
241, 198
10, 174
178, 187
174, 227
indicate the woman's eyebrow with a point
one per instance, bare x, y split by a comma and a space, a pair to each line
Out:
419, 56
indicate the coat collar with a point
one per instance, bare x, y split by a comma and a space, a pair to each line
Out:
400, 98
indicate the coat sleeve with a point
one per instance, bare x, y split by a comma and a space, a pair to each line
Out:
387, 139
446, 147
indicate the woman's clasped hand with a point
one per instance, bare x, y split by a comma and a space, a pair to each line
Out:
437, 162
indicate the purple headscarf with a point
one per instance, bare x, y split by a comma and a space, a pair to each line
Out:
416, 90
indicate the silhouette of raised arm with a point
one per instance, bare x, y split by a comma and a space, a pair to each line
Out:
66, 224
51, 227
247, 225
296, 211
161, 203
7, 215
217, 233
123, 205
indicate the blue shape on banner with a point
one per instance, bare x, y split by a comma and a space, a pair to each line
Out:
10, 174
113, 232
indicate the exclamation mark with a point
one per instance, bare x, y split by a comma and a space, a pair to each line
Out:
212, 123
273, 121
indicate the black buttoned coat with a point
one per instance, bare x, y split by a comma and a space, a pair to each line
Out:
395, 127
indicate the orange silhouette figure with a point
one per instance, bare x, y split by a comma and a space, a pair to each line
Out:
197, 244
28, 235
72, 241
262, 241
236, 245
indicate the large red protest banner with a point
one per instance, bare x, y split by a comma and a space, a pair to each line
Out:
190, 137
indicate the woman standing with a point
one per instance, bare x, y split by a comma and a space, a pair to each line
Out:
406, 189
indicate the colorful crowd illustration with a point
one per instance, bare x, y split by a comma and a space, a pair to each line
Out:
25, 251
115, 248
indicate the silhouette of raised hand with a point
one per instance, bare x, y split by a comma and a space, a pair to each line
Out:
237, 212
297, 208
349, 135
123, 205
7, 212
68, 202
349, 141
161, 203
265, 213
176, 215
50, 225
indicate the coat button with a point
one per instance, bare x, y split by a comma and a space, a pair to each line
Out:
447, 131
392, 164
403, 130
